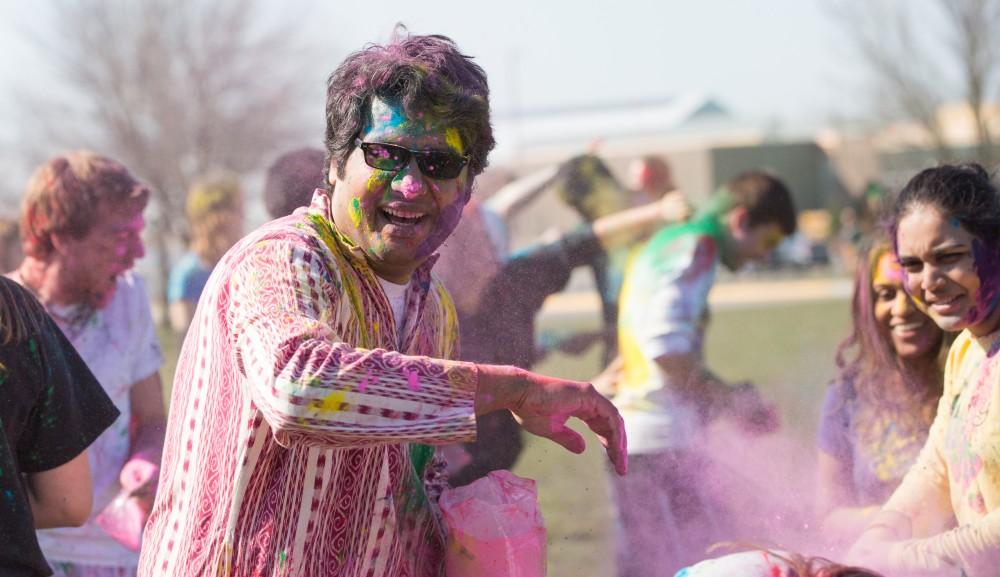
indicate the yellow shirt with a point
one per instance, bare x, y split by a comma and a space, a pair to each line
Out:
956, 478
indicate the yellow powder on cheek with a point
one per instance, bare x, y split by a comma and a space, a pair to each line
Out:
889, 273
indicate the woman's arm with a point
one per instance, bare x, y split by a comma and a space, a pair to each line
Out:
516, 195
974, 547
61, 497
921, 501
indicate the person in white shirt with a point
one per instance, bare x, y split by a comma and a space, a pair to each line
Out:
81, 222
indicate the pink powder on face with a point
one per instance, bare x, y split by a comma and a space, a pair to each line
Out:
410, 187
129, 240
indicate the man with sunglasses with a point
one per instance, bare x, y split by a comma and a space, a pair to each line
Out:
314, 381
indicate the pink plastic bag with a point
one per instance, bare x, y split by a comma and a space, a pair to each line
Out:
124, 518
495, 528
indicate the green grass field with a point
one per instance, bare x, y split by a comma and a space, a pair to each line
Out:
786, 350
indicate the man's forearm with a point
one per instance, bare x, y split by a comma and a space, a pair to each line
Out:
335, 394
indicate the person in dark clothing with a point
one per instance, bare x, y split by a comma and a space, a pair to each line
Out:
51, 409
497, 302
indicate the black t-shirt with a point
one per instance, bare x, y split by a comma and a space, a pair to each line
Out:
51, 409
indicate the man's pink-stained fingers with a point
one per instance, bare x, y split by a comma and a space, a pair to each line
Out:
607, 423
554, 429
568, 438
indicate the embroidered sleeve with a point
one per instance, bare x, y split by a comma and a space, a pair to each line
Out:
974, 547
292, 325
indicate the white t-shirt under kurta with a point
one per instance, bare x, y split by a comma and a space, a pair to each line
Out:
120, 347
396, 293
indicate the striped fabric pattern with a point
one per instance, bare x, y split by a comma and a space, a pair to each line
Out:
294, 418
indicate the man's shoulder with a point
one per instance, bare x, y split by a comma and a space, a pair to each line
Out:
296, 245
298, 230
691, 234
678, 248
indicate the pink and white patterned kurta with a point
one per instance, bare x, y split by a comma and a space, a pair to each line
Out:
288, 450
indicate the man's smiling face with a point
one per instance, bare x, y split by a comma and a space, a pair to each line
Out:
399, 218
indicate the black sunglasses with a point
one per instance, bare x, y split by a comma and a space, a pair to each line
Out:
433, 163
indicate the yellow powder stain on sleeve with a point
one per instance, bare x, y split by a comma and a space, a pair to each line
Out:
454, 140
331, 403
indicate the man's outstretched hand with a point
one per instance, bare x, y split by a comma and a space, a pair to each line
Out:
543, 405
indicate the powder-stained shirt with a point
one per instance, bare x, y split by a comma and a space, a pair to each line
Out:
120, 346
664, 310
878, 443
51, 409
956, 478
294, 445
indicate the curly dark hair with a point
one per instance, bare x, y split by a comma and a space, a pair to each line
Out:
423, 74
963, 193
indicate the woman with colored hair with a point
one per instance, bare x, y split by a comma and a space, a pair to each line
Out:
945, 516
877, 411
215, 221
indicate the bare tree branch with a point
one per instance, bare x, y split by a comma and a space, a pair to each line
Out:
904, 56
175, 89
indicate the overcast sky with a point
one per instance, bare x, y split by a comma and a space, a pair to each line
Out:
760, 57
783, 60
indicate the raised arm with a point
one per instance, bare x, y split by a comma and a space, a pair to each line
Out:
312, 387
633, 224
516, 195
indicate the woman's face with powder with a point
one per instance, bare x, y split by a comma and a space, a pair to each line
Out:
939, 259
912, 333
